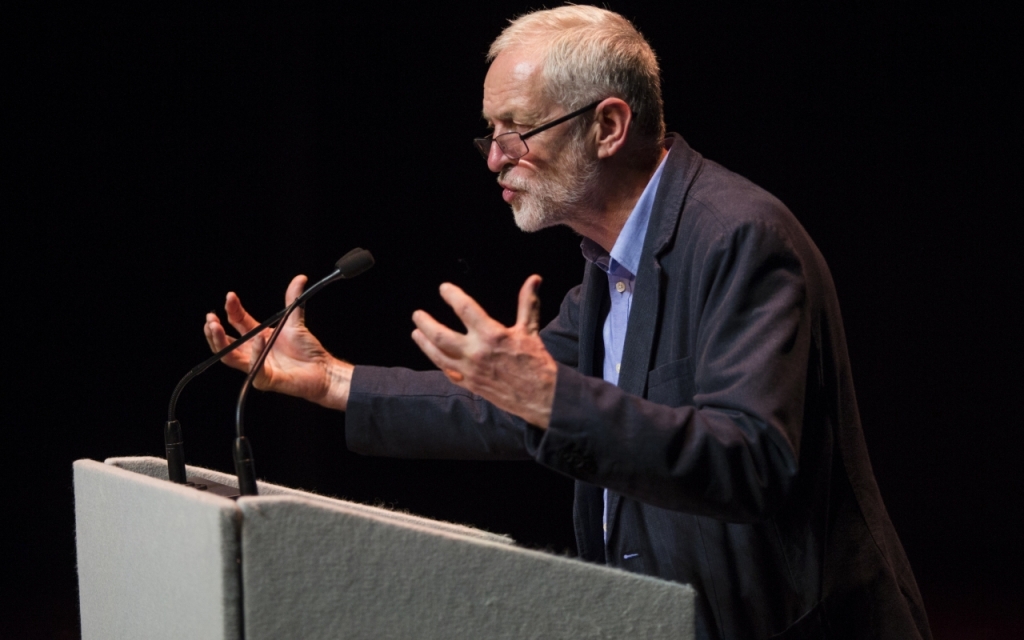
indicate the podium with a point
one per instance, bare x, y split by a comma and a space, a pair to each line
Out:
162, 560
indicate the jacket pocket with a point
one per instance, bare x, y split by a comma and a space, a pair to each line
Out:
672, 384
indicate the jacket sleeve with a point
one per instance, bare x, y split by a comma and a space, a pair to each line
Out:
401, 413
415, 414
728, 448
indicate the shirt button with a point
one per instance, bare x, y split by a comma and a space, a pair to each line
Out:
617, 367
620, 286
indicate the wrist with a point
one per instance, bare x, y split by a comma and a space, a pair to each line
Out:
540, 410
337, 382
548, 403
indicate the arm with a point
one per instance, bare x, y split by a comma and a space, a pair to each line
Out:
730, 449
403, 413
395, 412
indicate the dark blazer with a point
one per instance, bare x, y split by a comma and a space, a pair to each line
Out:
731, 447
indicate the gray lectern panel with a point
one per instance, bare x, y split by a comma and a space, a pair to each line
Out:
155, 559
318, 570
159, 560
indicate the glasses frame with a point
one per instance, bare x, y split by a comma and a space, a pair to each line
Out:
483, 145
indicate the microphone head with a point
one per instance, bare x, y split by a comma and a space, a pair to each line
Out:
353, 263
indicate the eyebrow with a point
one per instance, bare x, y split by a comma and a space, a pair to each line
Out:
525, 118
507, 116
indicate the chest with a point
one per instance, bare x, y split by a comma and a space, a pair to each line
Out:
641, 333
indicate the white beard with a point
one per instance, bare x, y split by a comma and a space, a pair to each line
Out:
555, 198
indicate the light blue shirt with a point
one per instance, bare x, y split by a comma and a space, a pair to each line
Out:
621, 265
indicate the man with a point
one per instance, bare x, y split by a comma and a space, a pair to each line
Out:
696, 384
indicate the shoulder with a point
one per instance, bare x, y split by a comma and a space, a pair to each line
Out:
722, 222
731, 229
702, 202
721, 202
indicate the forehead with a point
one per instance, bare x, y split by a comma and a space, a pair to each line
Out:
512, 88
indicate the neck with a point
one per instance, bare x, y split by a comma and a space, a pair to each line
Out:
617, 192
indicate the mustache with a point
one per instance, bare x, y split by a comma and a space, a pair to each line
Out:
512, 182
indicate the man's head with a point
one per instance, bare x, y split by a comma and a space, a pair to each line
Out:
549, 63
588, 54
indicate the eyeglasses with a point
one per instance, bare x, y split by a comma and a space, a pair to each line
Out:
513, 144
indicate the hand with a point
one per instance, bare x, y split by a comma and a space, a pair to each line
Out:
507, 366
298, 365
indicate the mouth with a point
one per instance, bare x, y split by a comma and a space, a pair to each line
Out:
508, 193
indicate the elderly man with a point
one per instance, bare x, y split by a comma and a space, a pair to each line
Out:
696, 384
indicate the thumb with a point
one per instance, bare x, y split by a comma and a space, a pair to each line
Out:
528, 313
294, 290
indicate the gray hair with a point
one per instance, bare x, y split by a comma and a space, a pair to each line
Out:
590, 54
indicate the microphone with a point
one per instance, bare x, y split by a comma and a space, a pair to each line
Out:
348, 266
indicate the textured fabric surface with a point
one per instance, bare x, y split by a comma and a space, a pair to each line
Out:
158, 560
155, 559
317, 570
157, 468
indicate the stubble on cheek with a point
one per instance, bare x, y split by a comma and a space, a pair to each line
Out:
552, 197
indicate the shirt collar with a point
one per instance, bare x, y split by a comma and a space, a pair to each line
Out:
625, 254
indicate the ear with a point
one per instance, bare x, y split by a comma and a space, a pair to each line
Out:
612, 119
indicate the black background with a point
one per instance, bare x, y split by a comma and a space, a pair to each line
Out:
160, 158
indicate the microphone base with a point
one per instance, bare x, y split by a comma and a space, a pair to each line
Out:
215, 488
244, 467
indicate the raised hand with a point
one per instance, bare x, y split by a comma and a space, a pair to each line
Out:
508, 366
298, 365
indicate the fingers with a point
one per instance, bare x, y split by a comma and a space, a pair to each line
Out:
215, 334
237, 315
443, 362
293, 291
437, 335
528, 312
443, 347
218, 339
472, 314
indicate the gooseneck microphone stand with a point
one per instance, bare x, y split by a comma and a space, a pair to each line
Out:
348, 266
172, 429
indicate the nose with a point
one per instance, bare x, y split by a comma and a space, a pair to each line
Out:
496, 158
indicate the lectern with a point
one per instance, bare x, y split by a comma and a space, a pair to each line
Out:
162, 560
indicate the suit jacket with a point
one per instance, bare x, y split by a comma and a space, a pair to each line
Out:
731, 447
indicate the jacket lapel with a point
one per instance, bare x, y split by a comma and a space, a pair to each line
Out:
683, 164
590, 314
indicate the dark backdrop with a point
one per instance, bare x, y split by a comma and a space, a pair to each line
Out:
161, 158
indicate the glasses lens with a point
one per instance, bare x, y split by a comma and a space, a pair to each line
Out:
512, 145
483, 145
